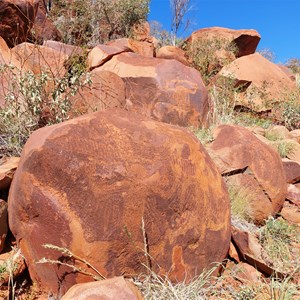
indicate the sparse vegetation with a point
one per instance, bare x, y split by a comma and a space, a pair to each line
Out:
208, 56
93, 22
33, 101
277, 238
240, 199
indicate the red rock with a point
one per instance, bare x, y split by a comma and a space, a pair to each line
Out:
294, 153
293, 194
14, 259
114, 288
291, 213
142, 48
164, 89
66, 49
41, 59
277, 132
246, 273
3, 223
7, 170
103, 53
233, 253
259, 206
292, 170
245, 39
88, 183
16, 20
141, 32
295, 135
43, 28
287, 71
107, 90
236, 150
172, 52
7, 75
265, 80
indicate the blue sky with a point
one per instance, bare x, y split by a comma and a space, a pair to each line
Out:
277, 21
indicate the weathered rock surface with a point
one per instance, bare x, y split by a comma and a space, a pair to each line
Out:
292, 170
94, 184
103, 53
3, 223
142, 48
246, 40
236, 150
16, 20
164, 89
107, 90
114, 288
263, 80
172, 52
7, 170
69, 50
41, 59
43, 29
291, 213
295, 135
294, 153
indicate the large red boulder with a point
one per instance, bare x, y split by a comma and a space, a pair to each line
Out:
16, 20
41, 59
263, 81
43, 29
236, 150
119, 190
246, 40
107, 90
164, 89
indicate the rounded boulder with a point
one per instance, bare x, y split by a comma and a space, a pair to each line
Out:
120, 191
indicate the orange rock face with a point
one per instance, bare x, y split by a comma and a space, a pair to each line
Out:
163, 89
110, 184
107, 90
265, 80
16, 20
172, 52
236, 150
114, 288
246, 40
43, 28
143, 48
41, 59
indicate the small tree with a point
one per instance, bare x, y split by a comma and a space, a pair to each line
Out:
179, 10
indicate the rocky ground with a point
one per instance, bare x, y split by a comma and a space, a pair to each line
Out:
145, 172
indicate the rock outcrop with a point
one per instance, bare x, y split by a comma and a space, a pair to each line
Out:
261, 79
235, 150
16, 20
246, 40
164, 89
111, 185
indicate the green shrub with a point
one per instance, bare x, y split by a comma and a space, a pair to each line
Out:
33, 101
276, 238
90, 22
205, 56
290, 115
